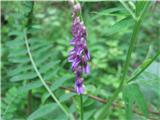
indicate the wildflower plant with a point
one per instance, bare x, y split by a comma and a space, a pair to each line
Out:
31, 60
79, 55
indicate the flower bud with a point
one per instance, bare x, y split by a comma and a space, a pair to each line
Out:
77, 8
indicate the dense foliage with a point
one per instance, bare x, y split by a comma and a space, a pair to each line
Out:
46, 28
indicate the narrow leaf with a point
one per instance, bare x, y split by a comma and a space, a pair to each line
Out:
42, 111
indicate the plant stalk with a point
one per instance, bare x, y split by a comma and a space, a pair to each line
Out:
81, 106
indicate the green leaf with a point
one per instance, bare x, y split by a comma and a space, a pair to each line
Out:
10, 101
42, 111
57, 83
16, 43
138, 70
149, 83
131, 95
43, 59
31, 85
139, 7
19, 59
120, 26
66, 96
25, 76
48, 66
19, 69
144, 65
118, 11
154, 68
89, 114
51, 74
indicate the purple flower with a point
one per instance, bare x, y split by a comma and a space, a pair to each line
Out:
79, 55
79, 85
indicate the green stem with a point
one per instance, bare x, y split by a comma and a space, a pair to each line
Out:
81, 106
125, 70
41, 78
103, 112
143, 68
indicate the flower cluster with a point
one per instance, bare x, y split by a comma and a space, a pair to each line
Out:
79, 55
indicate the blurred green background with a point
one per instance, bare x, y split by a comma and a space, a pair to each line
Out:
109, 26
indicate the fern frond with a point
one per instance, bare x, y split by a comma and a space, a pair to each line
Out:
10, 102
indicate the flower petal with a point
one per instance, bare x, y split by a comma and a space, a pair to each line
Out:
88, 55
86, 69
75, 63
72, 58
80, 90
79, 51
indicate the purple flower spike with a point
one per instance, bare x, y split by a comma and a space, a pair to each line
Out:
79, 55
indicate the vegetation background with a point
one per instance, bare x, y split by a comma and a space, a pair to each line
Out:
109, 26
